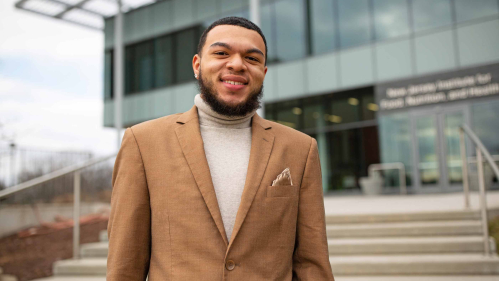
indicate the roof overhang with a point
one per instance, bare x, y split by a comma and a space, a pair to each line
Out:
87, 13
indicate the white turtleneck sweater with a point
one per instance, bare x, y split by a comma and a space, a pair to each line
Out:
227, 144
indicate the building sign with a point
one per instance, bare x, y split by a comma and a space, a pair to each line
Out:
440, 88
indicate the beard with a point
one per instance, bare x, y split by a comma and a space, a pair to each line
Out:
252, 103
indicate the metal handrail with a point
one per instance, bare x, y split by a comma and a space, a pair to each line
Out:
76, 169
391, 166
473, 159
480, 148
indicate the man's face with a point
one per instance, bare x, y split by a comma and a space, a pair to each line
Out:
232, 70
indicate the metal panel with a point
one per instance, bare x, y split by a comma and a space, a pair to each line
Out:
206, 9
478, 43
109, 113
184, 96
143, 104
269, 85
143, 23
229, 5
290, 79
163, 102
322, 74
109, 33
356, 67
126, 113
129, 27
435, 52
183, 12
393, 60
162, 14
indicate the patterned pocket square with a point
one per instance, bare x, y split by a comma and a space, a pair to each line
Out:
283, 178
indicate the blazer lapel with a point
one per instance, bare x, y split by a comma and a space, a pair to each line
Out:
191, 142
262, 141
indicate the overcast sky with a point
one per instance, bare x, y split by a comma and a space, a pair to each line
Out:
51, 83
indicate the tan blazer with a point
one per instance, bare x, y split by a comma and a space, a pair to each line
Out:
165, 221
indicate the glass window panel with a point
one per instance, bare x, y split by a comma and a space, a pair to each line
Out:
485, 116
426, 134
313, 115
344, 111
431, 13
163, 64
322, 26
269, 112
290, 29
185, 47
289, 114
468, 10
451, 133
390, 18
108, 75
129, 68
354, 22
396, 145
345, 158
267, 26
143, 66
369, 107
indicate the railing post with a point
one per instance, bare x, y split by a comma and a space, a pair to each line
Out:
76, 215
483, 202
464, 168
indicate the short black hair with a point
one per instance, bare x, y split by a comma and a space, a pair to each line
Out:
237, 21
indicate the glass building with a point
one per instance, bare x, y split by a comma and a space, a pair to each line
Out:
374, 81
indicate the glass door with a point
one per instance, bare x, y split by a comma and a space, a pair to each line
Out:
436, 148
428, 150
450, 121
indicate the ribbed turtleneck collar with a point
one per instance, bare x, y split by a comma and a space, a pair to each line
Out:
208, 117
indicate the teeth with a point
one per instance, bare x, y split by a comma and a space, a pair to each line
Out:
233, 82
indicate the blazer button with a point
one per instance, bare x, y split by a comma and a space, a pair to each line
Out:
230, 264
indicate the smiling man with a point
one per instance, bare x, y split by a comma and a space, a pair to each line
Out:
217, 192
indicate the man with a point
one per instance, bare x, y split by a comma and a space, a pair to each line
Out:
194, 194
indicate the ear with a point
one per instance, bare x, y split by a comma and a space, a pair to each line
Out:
196, 64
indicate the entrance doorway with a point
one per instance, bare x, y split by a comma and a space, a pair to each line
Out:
436, 150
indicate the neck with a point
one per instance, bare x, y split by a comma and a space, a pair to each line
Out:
208, 117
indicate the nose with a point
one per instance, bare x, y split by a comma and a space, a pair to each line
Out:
236, 64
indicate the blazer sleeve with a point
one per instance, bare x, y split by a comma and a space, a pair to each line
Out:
129, 226
311, 253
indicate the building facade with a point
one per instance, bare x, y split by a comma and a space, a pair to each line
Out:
374, 81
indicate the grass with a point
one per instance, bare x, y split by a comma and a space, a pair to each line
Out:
494, 230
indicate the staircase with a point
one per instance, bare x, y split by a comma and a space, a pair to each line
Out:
395, 247
420, 244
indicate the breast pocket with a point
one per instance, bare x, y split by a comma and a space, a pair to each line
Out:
282, 191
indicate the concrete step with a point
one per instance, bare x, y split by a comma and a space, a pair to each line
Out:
406, 245
403, 217
94, 250
463, 264
431, 228
82, 267
103, 236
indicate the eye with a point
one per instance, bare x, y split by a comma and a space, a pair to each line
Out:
253, 59
222, 53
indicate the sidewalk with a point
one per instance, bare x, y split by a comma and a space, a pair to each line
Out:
386, 204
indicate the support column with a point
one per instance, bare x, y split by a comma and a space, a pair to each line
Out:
255, 18
118, 72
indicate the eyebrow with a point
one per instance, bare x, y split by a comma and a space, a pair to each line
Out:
225, 45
